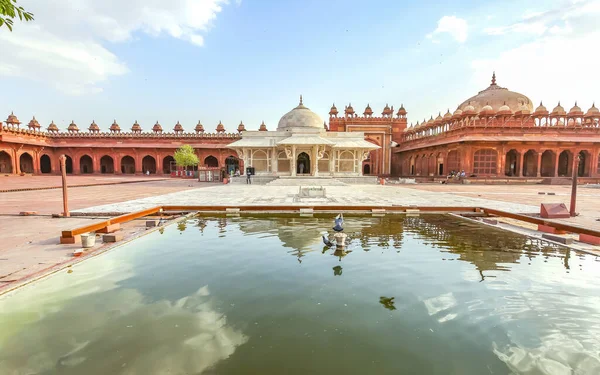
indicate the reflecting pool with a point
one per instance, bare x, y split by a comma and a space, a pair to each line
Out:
430, 294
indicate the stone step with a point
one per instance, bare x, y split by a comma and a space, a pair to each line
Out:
304, 181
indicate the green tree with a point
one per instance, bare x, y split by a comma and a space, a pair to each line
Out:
10, 10
185, 156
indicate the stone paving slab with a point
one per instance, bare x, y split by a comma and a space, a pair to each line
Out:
12, 182
248, 195
50, 201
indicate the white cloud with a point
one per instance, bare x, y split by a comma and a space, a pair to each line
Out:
456, 27
539, 70
66, 44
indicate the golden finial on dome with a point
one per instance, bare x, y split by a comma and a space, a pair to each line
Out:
493, 78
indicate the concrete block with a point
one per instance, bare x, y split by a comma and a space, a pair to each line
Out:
378, 210
587, 238
412, 210
70, 240
151, 223
551, 193
27, 213
112, 237
554, 211
559, 239
232, 210
110, 229
490, 221
306, 210
541, 193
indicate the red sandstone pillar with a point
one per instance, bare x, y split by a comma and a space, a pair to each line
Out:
159, 164
539, 164
556, 164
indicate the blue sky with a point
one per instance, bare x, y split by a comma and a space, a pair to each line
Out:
210, 60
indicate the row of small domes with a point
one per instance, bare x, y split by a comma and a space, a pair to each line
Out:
12, 120
504, 110
387, 111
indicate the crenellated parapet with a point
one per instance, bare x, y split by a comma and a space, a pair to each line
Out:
504, 119
115, 134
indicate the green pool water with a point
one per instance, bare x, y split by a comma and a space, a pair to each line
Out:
261, 295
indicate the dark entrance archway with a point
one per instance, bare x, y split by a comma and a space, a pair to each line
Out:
211, 162
366, 169
565, 161
530, 161
45, 164
232, 164
86, 165
5, 162
583, 170
68, 164
127, 165
303, 164
107, 164
26, 163
167, 162
149, 164
548, 160
512, 163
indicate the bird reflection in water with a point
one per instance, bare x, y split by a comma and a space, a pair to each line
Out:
387, 302
182, 225
337, 271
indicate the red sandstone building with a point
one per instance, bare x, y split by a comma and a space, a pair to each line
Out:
495, 134
498, 134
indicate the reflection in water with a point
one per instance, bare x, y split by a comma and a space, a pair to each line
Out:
387, 302
337, 271
182, 225
148, 309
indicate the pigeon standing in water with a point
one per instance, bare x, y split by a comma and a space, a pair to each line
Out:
339, 221
327, 242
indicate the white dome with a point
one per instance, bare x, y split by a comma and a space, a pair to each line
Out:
300, 117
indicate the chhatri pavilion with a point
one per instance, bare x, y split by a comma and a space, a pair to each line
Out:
302, 146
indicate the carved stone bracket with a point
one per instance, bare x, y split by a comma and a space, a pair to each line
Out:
365, 155
288, 152
320, 152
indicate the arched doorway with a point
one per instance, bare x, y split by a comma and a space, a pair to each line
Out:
45, 164
440, 164
168, 161
530, 161
565, 161
303, 163
211, 162
232, 164
107, 164
366, 169
511, 166
127, 165
26, 163
149, 164
548, 160
5, 162
68, 164
86, 165
583, 170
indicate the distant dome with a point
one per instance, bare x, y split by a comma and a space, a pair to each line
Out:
300, 117
496, 96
